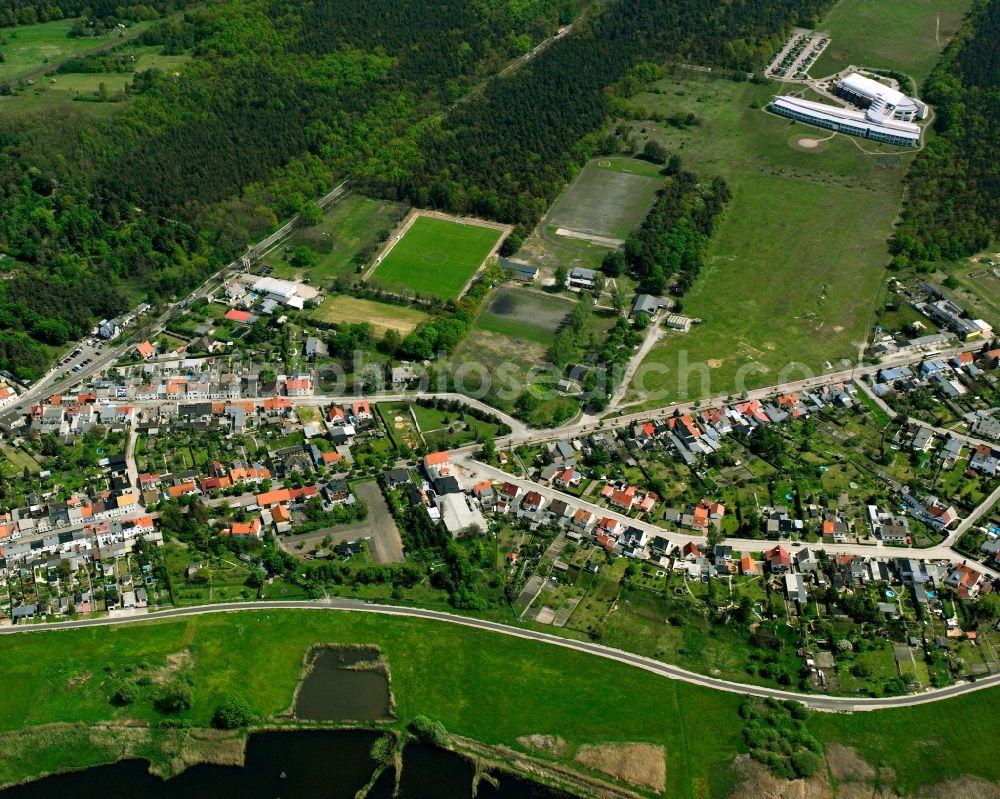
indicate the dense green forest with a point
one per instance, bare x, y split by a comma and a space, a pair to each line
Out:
506, 154
281, 100
28, 12
953, 201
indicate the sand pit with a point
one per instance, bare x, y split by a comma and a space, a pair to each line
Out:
809, 144
714, 363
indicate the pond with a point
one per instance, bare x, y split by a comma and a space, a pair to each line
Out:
344, 684
301, 764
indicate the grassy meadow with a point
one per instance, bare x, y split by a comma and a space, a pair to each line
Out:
349, 229
339, 309
798, 259
486, 686
905, 35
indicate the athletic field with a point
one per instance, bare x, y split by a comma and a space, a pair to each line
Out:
436, 257
608, 199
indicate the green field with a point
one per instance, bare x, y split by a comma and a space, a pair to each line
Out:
348, 231
52, 92
436, 257
905, 35
344, 309
466, 678
608, 198
28, 48
798, 259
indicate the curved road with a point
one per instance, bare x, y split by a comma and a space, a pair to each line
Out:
827, 703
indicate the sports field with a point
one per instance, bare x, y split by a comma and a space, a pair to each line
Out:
344, 309
905, 35
799, 257
436, 257
608, 198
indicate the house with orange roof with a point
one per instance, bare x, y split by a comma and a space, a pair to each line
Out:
778, 560
361, 410
276, 405
567, 478
485, 493
7, 394
299, 387
582, 519
183, 489
336, 415
271, 498
436, 464
251, 529
748, 566
610, 526
145, 351
690, 550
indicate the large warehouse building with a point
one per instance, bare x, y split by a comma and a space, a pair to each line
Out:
865, 124
879, 100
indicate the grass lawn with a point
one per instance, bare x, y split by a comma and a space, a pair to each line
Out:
906, 35
20, 460
350, 227
608, 198
443, 430
579, 697
798, 259
436, 257
344, 309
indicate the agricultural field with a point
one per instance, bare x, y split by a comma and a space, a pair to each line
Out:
436, 257
782, 283
344, 309
904, 35
607, 199
344, 240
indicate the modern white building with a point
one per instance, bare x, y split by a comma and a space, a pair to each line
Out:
846, 120
879, 101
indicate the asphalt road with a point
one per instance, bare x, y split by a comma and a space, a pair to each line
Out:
826, 703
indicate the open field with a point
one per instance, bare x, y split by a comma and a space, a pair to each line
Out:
344, 309
436, 256
343, 240
608, 198
51, 92
28, 48
580, 698
783, 280
522, 314
905, 35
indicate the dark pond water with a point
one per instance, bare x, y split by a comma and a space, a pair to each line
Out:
304, 764
333, 692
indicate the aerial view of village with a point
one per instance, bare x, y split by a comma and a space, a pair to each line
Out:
548, 399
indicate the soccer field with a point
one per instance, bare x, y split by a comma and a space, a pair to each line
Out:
436, 257
609, 198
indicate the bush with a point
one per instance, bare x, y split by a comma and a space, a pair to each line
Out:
806, 763
125, 693
232, 713
175, 697
429, 731
383, 749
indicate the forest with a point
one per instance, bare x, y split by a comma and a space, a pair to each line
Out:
28, 12
280, 101
952, 208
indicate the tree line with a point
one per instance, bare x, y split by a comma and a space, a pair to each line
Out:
952, 209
